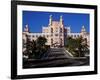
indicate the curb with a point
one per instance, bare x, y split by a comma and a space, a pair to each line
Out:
68, 53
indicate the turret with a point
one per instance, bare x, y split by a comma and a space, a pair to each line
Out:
83, 29
50, 19
26, 29
68, 30
61, 20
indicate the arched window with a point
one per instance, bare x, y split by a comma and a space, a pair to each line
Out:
74, 35
36, 36
61, 40
61, 30
33, 36
56, 34
51, 30
51, 41
85, 39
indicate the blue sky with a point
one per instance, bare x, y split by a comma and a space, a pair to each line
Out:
36, 20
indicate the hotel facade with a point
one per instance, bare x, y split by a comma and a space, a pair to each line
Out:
56, 33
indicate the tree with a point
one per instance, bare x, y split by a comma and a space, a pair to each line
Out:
71, 44
28, 50
35, 48
41, 41
33, 44
77, 46
40, 44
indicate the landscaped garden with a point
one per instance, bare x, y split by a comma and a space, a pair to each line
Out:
77, 47
35, 48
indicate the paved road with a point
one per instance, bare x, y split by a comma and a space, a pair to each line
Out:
57, 57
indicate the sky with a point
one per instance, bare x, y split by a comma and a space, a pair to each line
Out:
36, 20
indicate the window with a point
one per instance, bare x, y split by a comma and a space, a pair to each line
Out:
51, 34
51, 30
56, 34
77, 35
47, 35
36, 35
51, 41
29, 36
33, 35
56, 29
74, 35
60, 34
61, 30
85, 40
61, 41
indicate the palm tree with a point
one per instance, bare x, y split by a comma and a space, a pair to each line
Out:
41, 41
40, 46
77, 46
35, 48
28, 47
70, 43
